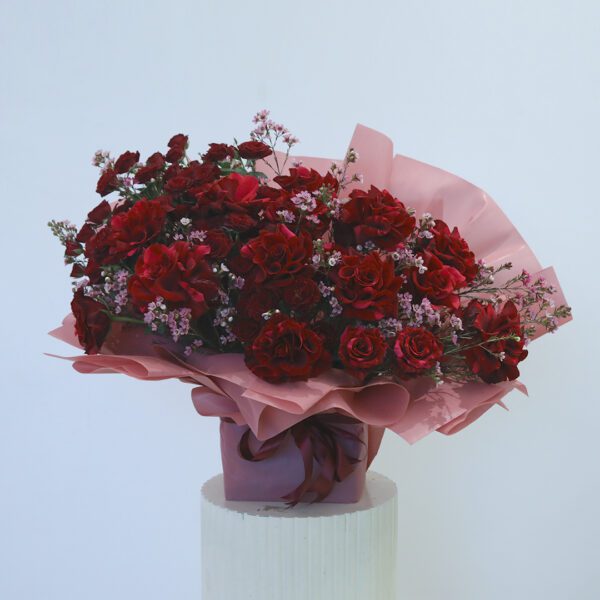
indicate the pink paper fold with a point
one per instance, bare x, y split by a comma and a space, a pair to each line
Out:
226, 388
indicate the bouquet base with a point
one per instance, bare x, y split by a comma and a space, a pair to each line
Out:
268, 551
271, 479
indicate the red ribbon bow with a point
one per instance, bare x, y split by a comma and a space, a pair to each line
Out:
319, 440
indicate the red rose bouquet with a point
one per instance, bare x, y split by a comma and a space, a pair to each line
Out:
292, 289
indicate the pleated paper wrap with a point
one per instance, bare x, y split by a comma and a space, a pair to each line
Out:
226, 388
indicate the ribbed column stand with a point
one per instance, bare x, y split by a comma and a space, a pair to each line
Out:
266, 551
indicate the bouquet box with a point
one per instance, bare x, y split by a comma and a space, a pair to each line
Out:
271, 479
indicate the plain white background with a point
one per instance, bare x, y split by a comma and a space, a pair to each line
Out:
100, 476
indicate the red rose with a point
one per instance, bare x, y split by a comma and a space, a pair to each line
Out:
240, 266
226, 196
200, 173
92, 323
86, 232
179, 180
220, 243
72, 248
99, 214
153, 166
177, 184
362, 349
239, 221
287, 350
244, 187
270, 202
438, 283
417, 351
177, 146
277, 254
97, 248
178, 273
218, 152
329, 334
301, 178
302, 294
179, 140
367, 286
126, 161
452, 250
494, 361
124, 204
107, 183
77, 271
252, 303
245, 330
136, 228
254, 150
374, 216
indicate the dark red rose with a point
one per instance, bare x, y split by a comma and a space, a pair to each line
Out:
92, 323
107, 183
200, 173
93, 271
452, 250
86, 232
178, 140
329, 334
374, 216
362, 349
136, 228
277, 254
220, 243
151, 169
367, 286
178, 184
177, 146
254, 150
439, 283
97, 248
287, 350
239, 221
126, 161
229, 195
156, 264
254, 301
239, 265
266, 192
72, 248
218, 152
99, 214
178, 273
179, 180
245, 330
172, 171
417, 351
77, 271
302, 294
495, 360
123, 205
301, 178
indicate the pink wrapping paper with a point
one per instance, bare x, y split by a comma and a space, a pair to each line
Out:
226, 388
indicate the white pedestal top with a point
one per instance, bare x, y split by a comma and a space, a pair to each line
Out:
268, 551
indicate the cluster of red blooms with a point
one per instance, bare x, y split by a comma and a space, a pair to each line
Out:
296, 274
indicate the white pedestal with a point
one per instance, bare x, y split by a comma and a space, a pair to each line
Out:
266, 551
